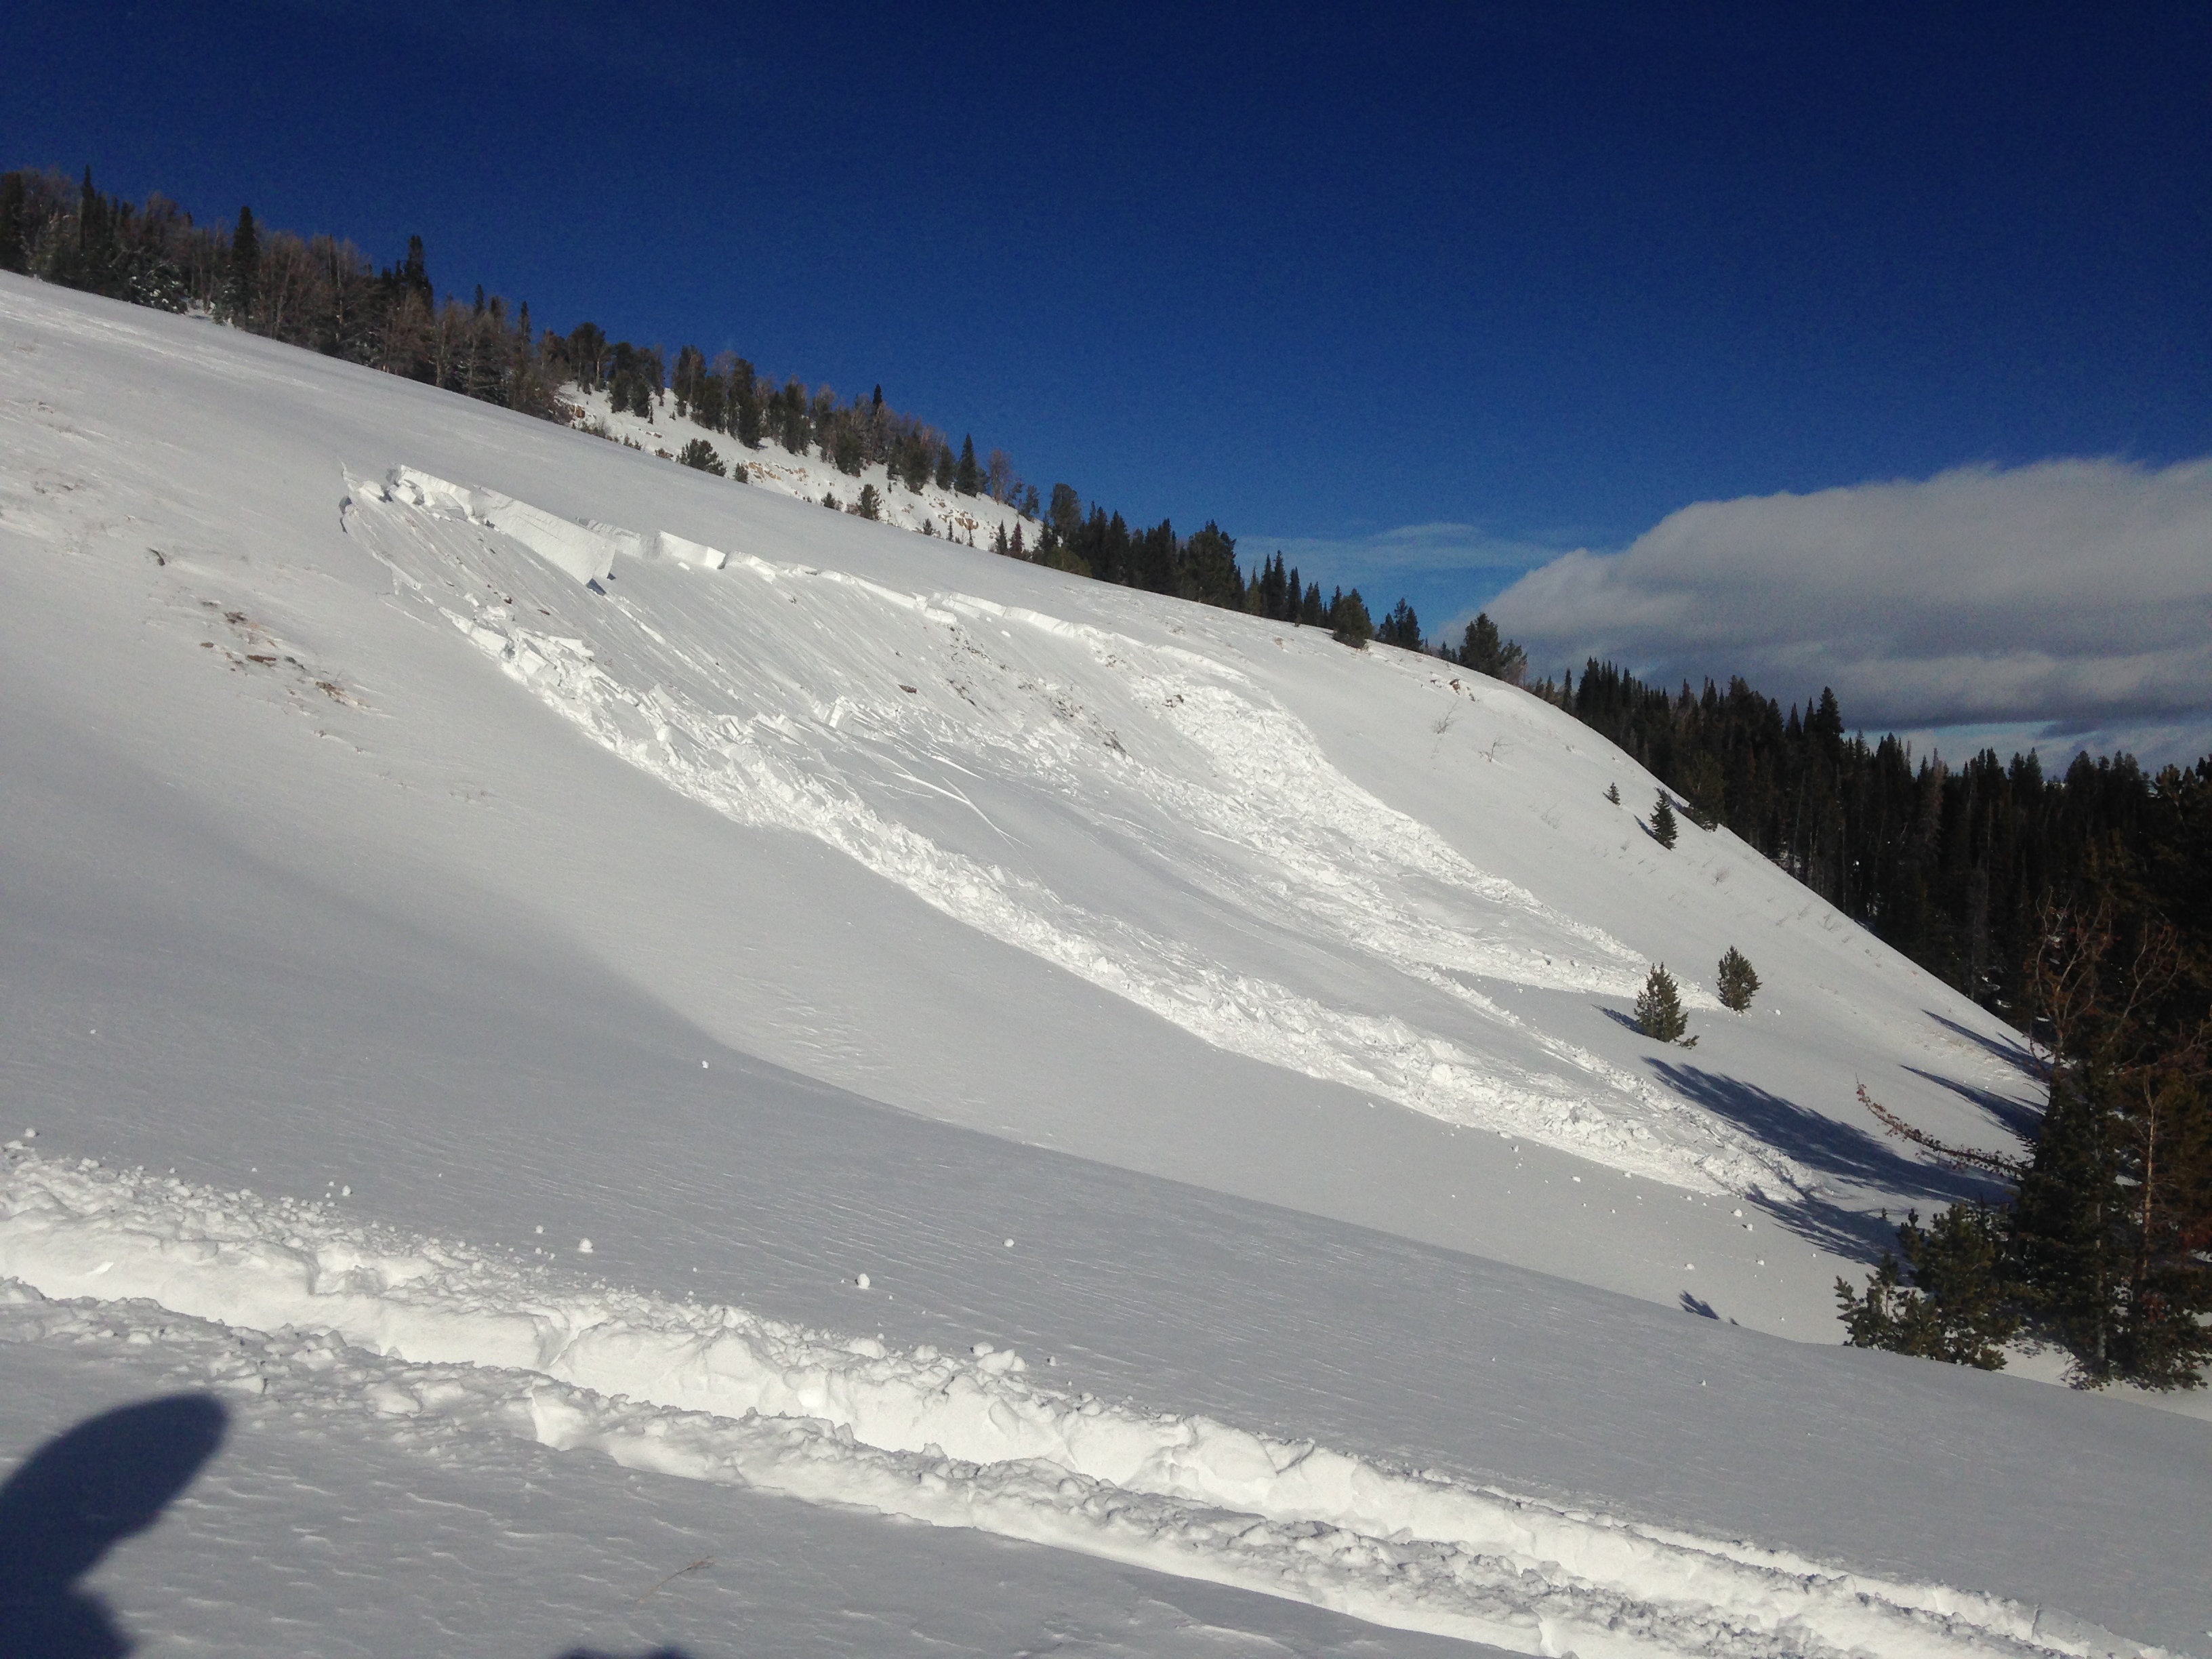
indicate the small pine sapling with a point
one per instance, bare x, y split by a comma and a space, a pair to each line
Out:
1737, 980
1662, 822
1659, 1013
1613, 793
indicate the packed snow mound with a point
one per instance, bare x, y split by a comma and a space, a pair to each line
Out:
423, 1328
966, 750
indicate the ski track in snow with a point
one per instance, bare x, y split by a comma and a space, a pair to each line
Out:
784, 723
298, 1302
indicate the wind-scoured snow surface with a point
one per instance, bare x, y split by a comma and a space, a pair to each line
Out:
478, 838
717, 1394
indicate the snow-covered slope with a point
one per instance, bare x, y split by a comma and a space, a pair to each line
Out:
454, 827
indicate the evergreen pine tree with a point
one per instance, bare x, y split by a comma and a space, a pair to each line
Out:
2107, 1239
944, 474
967, 477
1483, 650
14, 201
414, 276
245, 268
1348, 621
1613, 793
1401, 627
1959, 1308
1662, 822
700, 454
1737, 982
1704, 786
1659, 1013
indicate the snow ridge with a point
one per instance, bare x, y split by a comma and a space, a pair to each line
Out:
317, 1307
791, 721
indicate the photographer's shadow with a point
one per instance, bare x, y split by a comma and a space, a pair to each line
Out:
76, 1497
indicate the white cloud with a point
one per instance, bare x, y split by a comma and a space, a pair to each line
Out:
2073, 597
1352, 559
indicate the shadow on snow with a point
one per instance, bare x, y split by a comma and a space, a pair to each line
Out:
76, 1497
1831, 1149
2013, 1050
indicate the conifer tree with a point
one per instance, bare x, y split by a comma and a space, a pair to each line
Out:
1613, 793
1662, 822
700, 454
244, 267
1348, 621
1483, 650
871, 504
967, 477
1401, 627
1958, 1307
1659, 1013
587, 347
2108, 1226
14, 201
690, 372
1736, 981
1208, 569
414, 276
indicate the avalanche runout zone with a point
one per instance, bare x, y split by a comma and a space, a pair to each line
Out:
294, 1299
774, 721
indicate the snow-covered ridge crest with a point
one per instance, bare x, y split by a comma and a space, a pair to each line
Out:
903, 728
718, 1392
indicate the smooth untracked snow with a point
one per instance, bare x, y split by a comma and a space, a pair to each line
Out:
511, 838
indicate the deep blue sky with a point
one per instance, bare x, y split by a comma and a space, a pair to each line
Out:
1547, 270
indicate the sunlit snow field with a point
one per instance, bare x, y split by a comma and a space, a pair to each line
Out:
1028, 1058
